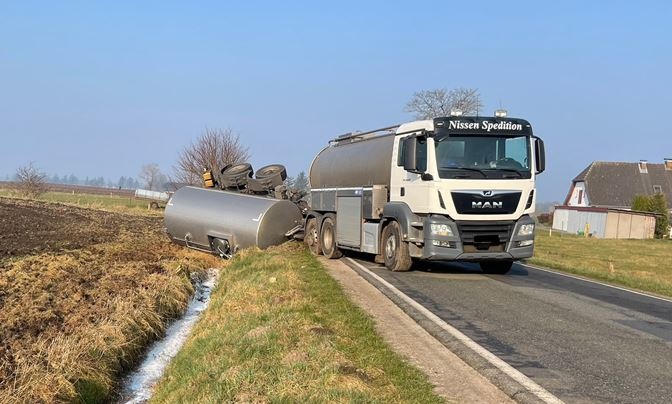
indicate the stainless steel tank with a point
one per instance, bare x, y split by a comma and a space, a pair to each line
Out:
360, 163
214, 220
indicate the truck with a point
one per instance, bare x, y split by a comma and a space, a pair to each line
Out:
455, 188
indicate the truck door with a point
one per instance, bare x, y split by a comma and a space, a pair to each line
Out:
406, 183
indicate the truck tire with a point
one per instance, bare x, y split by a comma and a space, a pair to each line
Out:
328, 238
236, 175
496, 267
395, 250
312, 237
271, 170
236, 170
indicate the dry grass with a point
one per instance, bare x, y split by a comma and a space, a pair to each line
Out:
279, 329
639, 264
72, 319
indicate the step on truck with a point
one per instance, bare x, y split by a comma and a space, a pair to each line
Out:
456, 188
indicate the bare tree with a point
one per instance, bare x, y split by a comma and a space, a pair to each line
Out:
151, 175
214, 149
32, 181
428, 104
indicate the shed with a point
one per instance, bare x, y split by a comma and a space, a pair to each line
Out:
605, 222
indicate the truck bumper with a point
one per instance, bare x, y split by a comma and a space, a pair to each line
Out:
477, 241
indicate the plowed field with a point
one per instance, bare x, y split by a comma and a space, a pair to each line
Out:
29, 227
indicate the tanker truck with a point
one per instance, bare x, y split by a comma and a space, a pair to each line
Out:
455, 188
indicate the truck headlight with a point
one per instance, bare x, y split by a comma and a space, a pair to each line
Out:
440, 229
526, 229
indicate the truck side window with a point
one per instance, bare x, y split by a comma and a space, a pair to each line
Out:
421, 154
400, 153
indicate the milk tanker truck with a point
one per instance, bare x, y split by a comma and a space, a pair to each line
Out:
456, 188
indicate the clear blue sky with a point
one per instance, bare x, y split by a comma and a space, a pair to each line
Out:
101, 89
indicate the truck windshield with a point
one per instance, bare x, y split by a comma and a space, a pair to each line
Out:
487, 156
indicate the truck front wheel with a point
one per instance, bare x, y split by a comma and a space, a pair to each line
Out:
328, 238
496, 267
395, 250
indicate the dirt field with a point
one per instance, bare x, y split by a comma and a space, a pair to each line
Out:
30, 227
81, 293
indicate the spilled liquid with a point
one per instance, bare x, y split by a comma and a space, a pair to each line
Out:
138, 386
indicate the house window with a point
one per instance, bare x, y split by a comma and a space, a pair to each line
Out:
580, 196
642, 167
657, 189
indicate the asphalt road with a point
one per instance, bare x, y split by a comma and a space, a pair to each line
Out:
581, 341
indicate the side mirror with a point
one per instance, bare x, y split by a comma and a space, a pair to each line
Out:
539, 155
410, 144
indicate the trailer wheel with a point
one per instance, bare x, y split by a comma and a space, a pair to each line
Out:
236, 169
272, 170
328, 238
496, 267
312, 237
236, 175
395, 249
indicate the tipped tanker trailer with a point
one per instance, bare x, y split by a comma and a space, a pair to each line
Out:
230, 214
457, 188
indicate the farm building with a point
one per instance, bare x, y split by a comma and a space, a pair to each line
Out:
604, 222
602, 194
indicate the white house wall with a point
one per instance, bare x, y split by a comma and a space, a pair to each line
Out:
574, 221
579, 188
560, 219
578, 220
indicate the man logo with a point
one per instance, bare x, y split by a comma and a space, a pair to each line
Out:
487, 193
486, 205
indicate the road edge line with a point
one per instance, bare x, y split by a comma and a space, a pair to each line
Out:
582, 278
528, 384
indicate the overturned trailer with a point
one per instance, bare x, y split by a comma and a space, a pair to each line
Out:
224, 222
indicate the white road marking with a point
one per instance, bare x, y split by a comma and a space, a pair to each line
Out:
509, 370
596, 282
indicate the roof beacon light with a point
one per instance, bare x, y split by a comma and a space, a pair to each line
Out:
500, 113
455, 112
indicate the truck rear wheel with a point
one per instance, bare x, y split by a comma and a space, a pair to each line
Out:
496, 267
312, 237
395, 249
328, 238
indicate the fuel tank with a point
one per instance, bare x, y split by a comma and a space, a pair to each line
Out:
217, 221
359, 163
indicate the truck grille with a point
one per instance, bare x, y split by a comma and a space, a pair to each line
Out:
485, 236
495, 203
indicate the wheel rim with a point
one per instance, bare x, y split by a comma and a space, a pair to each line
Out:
312, 234
328, 237
390, 247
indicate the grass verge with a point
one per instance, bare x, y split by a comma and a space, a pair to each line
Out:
639, 264
280, 329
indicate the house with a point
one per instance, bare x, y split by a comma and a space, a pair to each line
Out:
614, 185
600, 197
